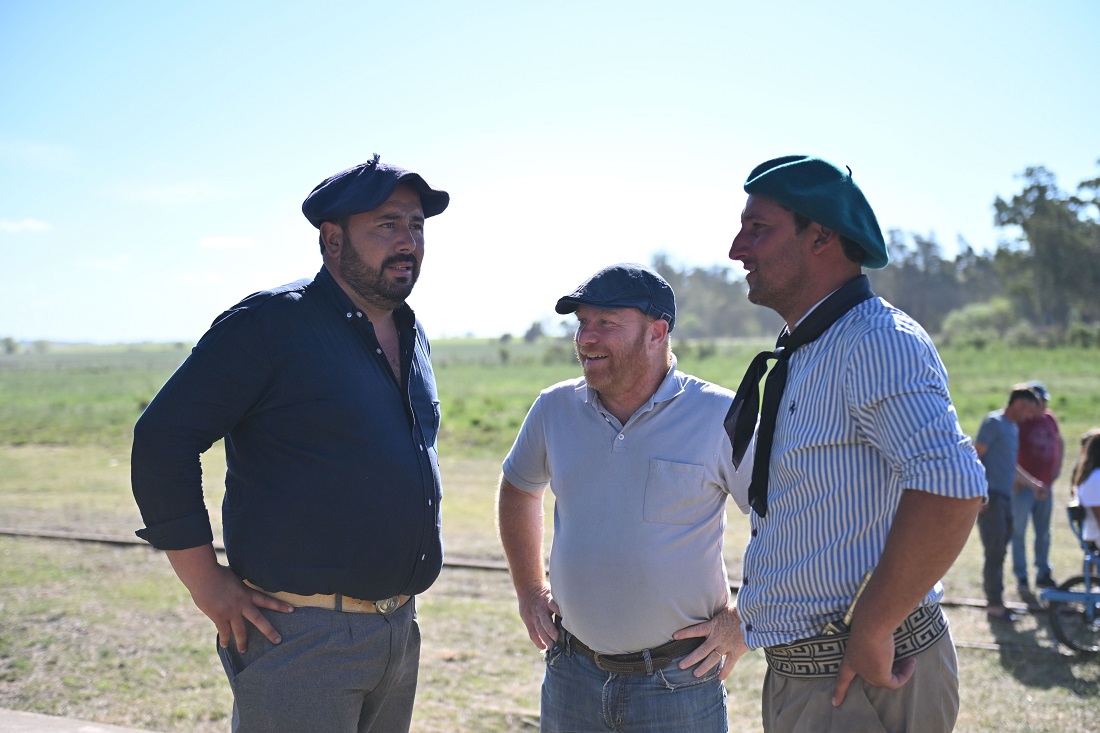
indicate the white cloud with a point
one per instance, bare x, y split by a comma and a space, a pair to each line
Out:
117, 263
36, 155
10, 226
199, 277
171, 194
224, 243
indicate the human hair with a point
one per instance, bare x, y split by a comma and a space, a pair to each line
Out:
1023, 392
1090, 456
853, 251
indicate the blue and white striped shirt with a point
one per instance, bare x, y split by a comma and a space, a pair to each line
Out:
865, 415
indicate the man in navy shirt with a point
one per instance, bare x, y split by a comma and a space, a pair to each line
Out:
324, 394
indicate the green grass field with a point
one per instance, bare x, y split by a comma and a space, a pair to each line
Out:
106, 633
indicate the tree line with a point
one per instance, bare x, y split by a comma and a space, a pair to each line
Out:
1040, 286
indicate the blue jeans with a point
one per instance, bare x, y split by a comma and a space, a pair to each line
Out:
578, 697
1025, 506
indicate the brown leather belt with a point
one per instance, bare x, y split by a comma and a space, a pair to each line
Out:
335, 602
820, 656
634, 662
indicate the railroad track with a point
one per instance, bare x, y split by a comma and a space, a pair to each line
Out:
500, 566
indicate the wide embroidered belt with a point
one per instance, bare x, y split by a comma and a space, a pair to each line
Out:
820, 656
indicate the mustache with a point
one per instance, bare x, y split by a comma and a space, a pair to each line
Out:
399, 259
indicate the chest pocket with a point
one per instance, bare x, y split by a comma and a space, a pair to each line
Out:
675, 493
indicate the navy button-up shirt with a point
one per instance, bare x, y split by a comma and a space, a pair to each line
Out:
333, 477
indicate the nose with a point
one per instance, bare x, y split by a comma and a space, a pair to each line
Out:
585, 334
409, 238
737, 247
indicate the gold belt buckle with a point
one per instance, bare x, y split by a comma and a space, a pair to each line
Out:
387, 606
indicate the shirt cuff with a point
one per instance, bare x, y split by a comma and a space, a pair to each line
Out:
179, 534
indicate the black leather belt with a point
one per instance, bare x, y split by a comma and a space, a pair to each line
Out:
659, 657
820, 656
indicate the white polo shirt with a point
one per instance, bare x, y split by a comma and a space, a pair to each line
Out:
639, 508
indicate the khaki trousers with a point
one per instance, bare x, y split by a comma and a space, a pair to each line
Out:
927, 703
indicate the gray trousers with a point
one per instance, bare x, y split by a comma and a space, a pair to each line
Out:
927, 703
995, 529
338, 672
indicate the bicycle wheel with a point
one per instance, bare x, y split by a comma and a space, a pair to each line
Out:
1075, 623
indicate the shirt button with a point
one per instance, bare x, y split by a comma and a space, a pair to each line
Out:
754, 532
348, 314
621, 436
359, 313
429, 502
748, 627
744, 581
378, 351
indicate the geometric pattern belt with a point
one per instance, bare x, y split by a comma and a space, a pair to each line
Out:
820, 656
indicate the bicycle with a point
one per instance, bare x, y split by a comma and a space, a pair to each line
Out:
1074, 606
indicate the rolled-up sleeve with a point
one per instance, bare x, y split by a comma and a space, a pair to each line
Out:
195, 408
897, 387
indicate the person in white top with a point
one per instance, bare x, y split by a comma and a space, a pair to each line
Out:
1086, 480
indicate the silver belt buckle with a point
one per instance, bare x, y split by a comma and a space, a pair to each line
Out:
387, 606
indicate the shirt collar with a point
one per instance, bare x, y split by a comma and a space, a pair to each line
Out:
403, 314
671, 386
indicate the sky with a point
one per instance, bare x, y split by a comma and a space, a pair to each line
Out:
154, 155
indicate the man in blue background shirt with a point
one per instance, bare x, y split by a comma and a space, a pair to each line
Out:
997, 443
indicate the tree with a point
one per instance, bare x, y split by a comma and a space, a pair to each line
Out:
1052, 267
534, 333
711, 302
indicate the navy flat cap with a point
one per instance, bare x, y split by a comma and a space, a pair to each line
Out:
625, 285
824, 193
364, 188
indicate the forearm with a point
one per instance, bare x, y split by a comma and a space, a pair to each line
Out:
196, 567
926, 537
520, 524
1023, 478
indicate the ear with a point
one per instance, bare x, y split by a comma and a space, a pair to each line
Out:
332, 236
822, 236
658, 331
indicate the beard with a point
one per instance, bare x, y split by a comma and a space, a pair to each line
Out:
622, 369
371, 284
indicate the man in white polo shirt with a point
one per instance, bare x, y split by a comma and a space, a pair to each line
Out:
637, 604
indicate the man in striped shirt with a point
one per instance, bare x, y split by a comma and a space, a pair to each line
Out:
870, 487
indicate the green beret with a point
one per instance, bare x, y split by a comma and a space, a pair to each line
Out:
824, 193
